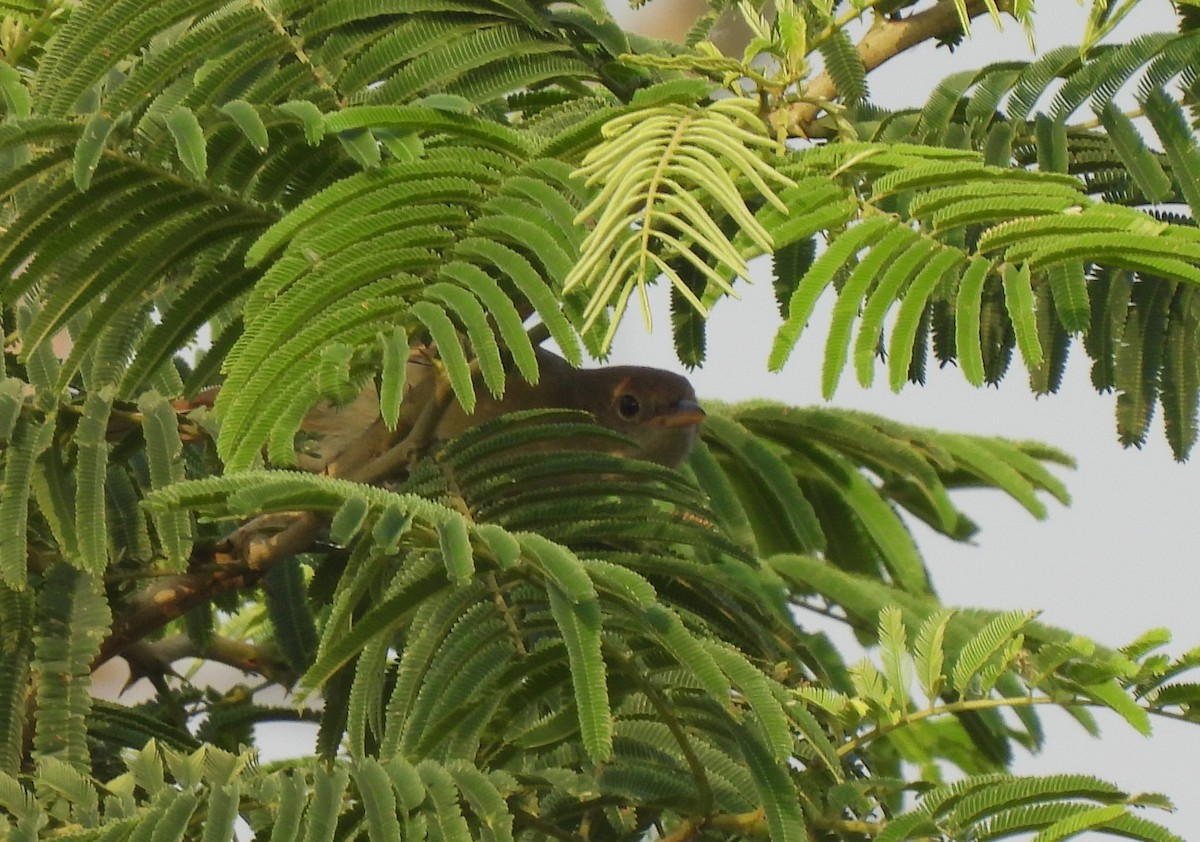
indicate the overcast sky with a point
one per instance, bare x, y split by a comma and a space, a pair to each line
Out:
1120, 560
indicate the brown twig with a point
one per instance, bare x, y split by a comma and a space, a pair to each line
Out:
883, 42
248, 553
752, 823
238, 561
149, 659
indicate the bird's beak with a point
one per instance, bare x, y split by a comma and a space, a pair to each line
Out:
685, 413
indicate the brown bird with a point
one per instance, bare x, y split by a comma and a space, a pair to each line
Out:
655, 408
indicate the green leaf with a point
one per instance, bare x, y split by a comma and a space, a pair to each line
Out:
815, 281
968, 304
988, 641
486, 800
472, 315
73, 619
428, 120
362, 146
881, 256
379, 801
502, 312
880, 300
779, 799
450, 350
1018, 300
1052, 144
11, 402
1181, 377
16, 650
329, 788
1068, 287
505, 548
756, 687
222, 813
91, 471
521, 273
844, 66
16, 799
189, 140
292, 791
447, 813
90, 148
912, 309
998, 148
407, 782
16, 95
455, 543
349, 520
893, 651
248, 120
1179, 142
1145, 169
290, 614
579, 624
562, 567
309, 116
1097, 817
869, 684
880, 521
1112, 695
31, 438
929, 653
395, 350
996, 469
794, 521
164, 452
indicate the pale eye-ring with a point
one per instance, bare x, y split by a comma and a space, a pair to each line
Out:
629, 407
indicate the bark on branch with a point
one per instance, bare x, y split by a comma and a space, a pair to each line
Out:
885, 41
249, 552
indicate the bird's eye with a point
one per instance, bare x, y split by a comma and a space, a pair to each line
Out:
628, 406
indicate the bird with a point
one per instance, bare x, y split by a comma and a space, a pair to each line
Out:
655, 408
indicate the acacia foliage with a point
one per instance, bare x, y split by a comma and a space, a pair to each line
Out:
514, 639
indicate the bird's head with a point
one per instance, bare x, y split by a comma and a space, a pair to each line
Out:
655, 408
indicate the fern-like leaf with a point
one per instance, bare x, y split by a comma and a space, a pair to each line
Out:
650, 168
988, 642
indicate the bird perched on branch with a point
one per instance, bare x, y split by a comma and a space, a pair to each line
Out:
657, 409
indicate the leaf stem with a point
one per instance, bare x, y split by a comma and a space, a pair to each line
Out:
29, 35
699, 775
990, 703
842, 21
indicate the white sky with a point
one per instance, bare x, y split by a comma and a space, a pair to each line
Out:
1120, 560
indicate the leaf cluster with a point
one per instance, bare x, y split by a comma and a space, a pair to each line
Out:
514, 635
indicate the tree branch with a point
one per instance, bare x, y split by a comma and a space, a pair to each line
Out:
152, 660
238, 561
883, 42
243, 557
